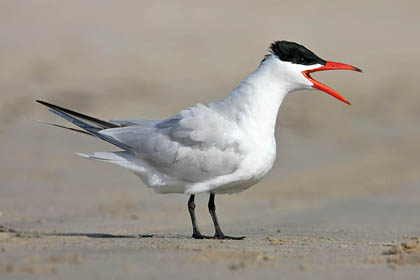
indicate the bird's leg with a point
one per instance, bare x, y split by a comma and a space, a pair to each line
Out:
218, 231
191, 208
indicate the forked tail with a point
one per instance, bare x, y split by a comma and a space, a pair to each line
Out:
90, 125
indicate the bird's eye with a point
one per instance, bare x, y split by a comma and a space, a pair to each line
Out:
301, 59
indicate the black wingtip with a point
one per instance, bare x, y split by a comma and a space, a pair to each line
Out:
44, 103
49, 105
101, 123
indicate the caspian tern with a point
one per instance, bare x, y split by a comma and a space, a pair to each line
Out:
222, 147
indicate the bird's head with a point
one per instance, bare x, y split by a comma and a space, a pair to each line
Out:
294, 64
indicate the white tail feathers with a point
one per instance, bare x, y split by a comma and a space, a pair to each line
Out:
123, 159
83, 155
136, 165
106, 156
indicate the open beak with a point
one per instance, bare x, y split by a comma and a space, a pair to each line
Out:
329, 66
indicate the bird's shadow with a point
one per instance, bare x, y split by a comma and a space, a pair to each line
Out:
108, 236
90, 235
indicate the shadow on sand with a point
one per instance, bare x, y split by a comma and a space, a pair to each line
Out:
107, 235
90, 235
101, 235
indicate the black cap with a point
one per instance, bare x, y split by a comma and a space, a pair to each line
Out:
295, 53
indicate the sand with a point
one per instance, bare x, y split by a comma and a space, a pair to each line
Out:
342, 201
374, 236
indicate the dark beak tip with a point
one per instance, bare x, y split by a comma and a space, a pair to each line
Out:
358, 69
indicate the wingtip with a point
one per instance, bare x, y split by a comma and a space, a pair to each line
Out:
42, 102
46, 103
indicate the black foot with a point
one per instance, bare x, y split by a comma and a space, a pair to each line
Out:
200, 236
222, 236
217, 236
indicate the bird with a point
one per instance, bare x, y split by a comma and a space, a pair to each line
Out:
222, 147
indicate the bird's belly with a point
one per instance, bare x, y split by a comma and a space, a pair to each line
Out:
257, 160
259, 163
252, 170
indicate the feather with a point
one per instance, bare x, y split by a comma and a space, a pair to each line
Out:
94, 130
65, 127
97, 122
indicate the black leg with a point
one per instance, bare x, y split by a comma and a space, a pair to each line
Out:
218, 231
191, 208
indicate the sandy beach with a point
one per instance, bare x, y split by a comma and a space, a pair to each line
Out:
342, 201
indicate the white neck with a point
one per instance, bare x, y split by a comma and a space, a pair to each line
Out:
254, 104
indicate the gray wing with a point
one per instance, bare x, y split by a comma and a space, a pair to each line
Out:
129, 122
194, 146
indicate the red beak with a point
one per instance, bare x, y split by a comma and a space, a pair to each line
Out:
329, 66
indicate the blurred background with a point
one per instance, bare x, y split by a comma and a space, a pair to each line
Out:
150, 59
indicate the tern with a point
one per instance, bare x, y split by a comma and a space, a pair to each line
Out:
219, 148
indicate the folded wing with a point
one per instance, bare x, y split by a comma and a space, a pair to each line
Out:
194, 146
